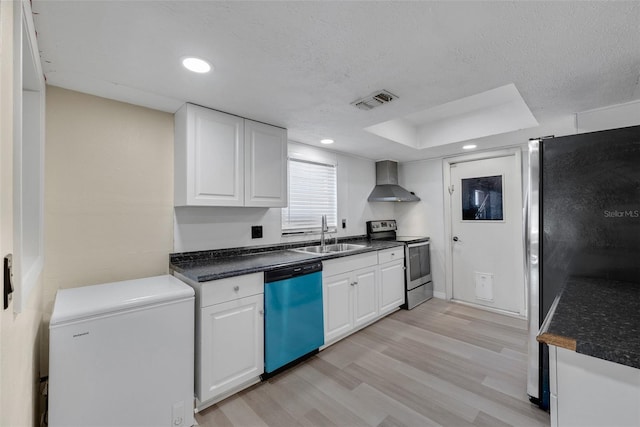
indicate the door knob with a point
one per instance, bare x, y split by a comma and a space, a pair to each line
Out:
455, 238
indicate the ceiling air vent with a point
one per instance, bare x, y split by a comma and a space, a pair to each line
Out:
374, 100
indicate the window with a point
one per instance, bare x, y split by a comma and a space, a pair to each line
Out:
482, 199
312, 193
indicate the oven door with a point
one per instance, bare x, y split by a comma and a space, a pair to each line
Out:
418, 264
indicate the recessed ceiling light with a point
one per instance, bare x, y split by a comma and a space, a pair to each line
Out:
327, 141
469, 147
196, 65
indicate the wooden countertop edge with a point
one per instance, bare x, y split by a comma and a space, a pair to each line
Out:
557, 340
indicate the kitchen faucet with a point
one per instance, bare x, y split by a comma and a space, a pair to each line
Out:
324, 229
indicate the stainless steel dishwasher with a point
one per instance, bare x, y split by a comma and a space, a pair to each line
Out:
293, 322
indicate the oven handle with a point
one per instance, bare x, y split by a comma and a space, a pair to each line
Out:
415, 245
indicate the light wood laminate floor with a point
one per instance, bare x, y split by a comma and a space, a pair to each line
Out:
441, 363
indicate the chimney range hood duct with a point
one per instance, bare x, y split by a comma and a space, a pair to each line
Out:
387, 188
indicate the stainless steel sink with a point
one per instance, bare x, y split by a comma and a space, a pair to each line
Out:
329, 249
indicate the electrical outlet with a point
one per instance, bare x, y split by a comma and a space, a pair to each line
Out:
256, 232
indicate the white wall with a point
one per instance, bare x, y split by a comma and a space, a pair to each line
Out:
203, 228
108, 193
426, 179
425, 218
19, 333
614, 116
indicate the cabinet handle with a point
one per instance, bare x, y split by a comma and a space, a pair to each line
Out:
261, 312
355, 283
236, 288
352, 283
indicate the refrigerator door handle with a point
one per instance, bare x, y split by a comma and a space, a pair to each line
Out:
532, 271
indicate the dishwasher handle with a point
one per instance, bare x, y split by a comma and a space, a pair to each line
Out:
291, 271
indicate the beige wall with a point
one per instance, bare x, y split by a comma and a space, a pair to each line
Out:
108, 193
19, 333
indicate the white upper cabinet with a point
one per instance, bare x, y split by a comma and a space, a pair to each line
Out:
225, 160
265, 165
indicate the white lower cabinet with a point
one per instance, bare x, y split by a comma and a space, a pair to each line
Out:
391, 286
232, 352
587, 391
365, 296
349, 294
337, 303
358, 291
391, 272
229, 336
350, 300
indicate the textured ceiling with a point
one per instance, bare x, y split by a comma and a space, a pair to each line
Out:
300, 64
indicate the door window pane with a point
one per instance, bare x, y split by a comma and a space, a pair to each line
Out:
482, 199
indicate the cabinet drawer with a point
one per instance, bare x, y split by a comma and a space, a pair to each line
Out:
389, 255
223, 290
348, 263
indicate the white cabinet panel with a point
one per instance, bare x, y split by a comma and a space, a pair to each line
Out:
231, 288
389, 255
232, 346
218, 153
365, 296
357, 290
225, 160
265, 165
591, 391
350, 299
391, 286
337, 306
349, 263
208, 158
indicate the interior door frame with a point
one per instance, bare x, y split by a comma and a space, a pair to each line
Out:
446, 178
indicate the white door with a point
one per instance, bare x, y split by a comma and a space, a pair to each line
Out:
486, 232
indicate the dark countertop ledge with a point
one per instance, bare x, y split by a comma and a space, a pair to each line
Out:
203, 266
598, 318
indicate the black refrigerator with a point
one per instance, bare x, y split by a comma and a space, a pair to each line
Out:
582, 219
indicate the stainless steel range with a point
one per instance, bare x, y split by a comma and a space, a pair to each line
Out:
417, 260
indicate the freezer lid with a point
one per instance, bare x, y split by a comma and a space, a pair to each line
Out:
88, 301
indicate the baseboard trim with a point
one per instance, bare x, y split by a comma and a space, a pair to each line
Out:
491, 309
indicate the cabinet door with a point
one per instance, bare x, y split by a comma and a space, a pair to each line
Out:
337, 306
365, 296
265, 165
391, 286
232, 345
215, 158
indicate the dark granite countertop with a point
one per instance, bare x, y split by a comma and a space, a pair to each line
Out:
596, 317
203, 266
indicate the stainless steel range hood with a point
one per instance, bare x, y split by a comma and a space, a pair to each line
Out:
387, 188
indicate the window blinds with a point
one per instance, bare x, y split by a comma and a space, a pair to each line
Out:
312, 193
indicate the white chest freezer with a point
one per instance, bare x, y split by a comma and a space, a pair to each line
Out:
122, 354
